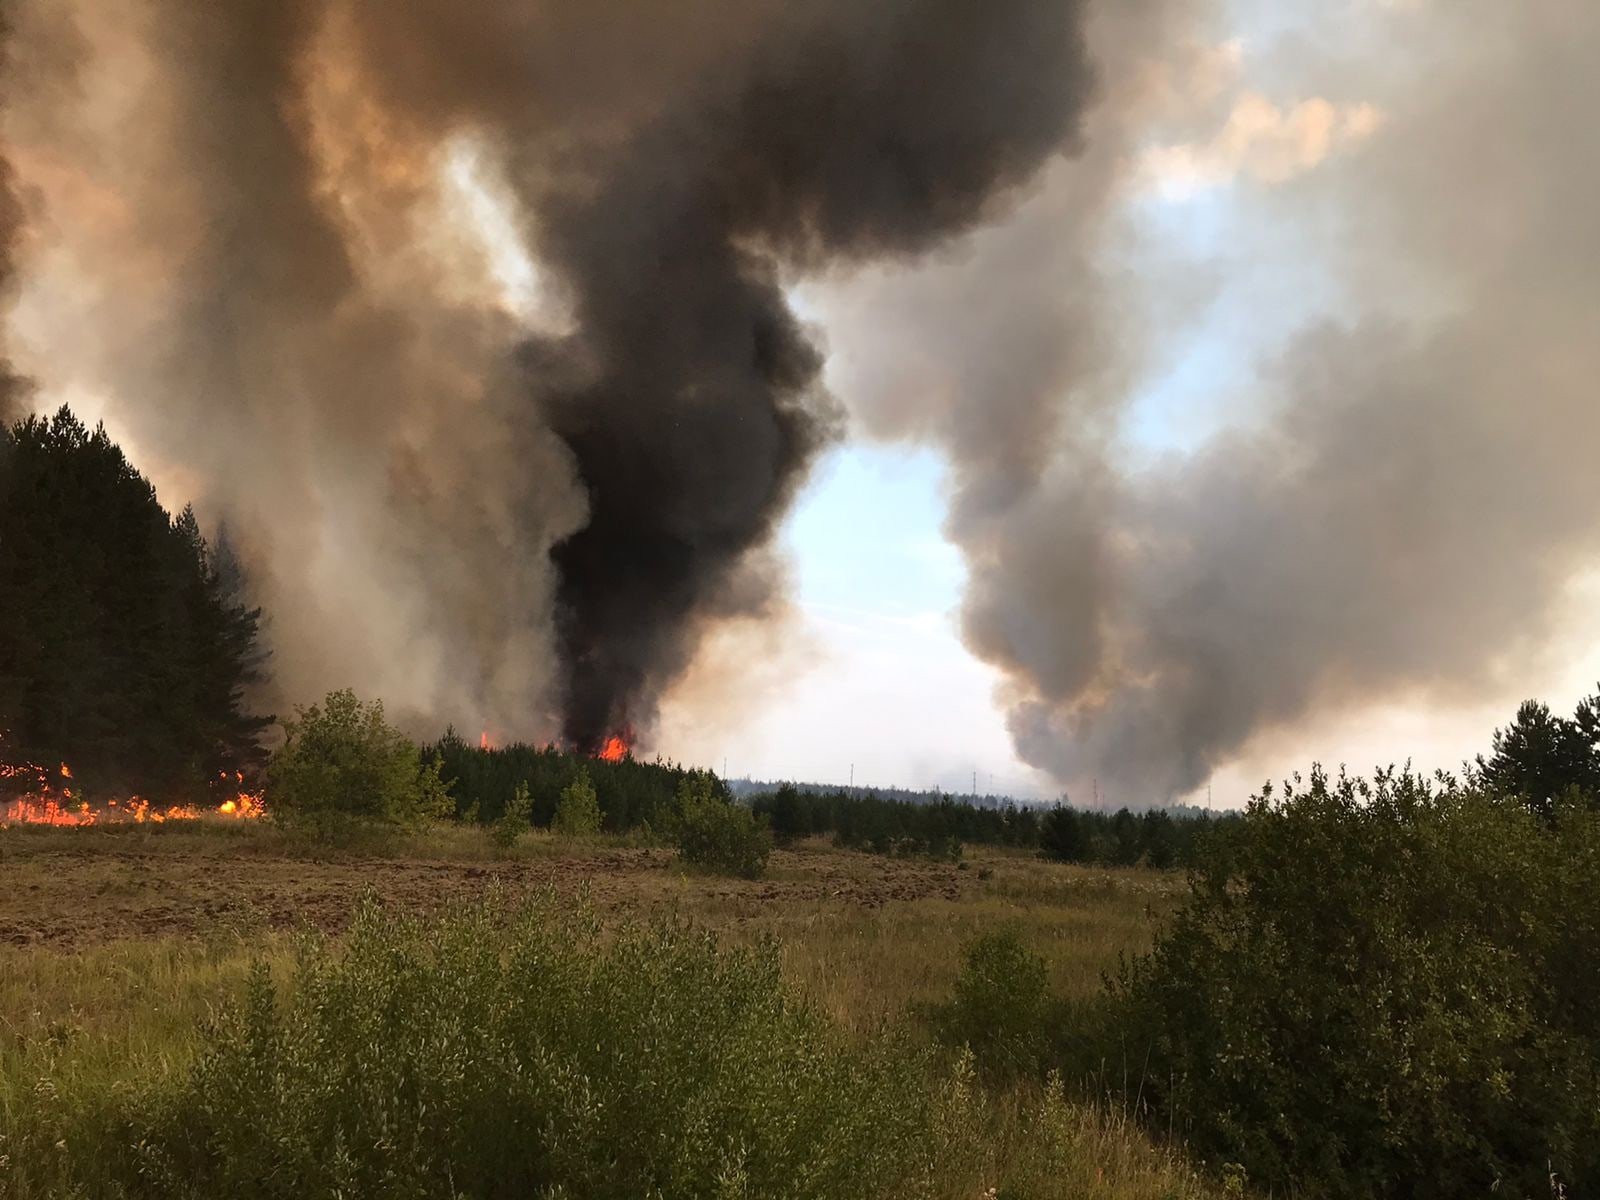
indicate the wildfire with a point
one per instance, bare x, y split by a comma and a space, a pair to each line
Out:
43, 802
46, 812
616, 747
247, 806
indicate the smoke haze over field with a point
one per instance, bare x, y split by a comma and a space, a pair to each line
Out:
472, 320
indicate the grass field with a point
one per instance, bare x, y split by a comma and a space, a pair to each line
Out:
115, 944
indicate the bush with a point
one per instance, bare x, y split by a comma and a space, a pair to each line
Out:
529, 1053
343, 766
719, 835
578, 811
1383, 990
537, 1056
514, 822
1001, 1008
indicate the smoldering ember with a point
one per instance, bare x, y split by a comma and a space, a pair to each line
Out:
697, 599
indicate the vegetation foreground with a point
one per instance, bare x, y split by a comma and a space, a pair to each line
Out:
1360, 988
1368, 989
584, 1019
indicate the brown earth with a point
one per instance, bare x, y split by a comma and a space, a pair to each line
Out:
76, 887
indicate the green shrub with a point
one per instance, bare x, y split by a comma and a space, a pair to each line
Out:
578, 811
514, 821
529, 1053
535, 1056
342, 765
1001, 1008
719, 835
1383, 990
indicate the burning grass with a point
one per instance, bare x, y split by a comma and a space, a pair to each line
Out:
31, 794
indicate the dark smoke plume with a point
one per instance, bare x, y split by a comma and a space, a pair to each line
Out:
878, 131
325, 352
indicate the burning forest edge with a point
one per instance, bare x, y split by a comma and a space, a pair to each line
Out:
34, 795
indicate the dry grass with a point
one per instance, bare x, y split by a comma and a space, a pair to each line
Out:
114, 944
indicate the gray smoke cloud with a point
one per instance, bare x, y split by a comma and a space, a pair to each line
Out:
11, 221
521, 519
1413, 487
234, 248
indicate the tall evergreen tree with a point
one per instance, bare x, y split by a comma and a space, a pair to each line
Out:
123, 648
1542, 755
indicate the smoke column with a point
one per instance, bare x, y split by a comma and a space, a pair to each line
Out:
877, 132
1398, 508
525, 514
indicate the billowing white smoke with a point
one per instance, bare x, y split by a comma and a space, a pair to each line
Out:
1411, 485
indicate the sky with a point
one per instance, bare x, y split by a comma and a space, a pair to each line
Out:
886, 694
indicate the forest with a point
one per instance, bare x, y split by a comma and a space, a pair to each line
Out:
127, 648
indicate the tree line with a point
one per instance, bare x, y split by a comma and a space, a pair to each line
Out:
939, 827
126, 649
632, 794
635, 795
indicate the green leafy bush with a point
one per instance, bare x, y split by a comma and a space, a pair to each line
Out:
515, 821
1001, 1008
718, 835
527, 1052
536, 1056
1383, 989
578, 811
343, 766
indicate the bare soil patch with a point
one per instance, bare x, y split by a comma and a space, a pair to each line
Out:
85, 886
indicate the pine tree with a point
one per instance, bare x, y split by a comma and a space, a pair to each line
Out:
1540, 755
124, 650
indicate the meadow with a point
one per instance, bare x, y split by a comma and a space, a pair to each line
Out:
122, 950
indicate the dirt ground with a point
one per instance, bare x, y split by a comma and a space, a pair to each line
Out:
72, 888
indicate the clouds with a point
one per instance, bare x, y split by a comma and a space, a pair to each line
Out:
1264, 142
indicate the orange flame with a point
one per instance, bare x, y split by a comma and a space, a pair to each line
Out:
615, 748
483, 741
41, 803
246, 806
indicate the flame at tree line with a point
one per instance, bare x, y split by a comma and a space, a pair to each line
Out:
127, 649
111, 601
48, 798
615, 748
